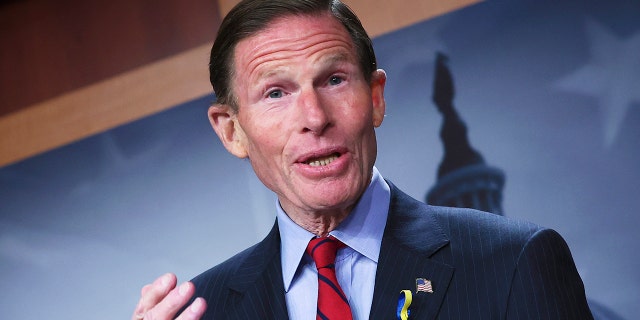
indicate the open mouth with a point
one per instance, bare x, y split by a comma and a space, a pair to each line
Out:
322, 161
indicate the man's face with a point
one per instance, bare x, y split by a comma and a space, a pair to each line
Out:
306, 114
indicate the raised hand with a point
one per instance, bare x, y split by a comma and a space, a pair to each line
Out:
161, 300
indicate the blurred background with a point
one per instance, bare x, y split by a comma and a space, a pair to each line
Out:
111, 175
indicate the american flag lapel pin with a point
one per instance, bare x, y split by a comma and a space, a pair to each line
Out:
423, 285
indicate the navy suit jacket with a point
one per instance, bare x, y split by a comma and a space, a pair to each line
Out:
481, 266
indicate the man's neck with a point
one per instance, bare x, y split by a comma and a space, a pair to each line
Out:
321, 222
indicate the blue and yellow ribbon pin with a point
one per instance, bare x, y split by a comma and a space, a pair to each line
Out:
404, 301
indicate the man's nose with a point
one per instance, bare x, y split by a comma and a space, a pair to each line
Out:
314, 114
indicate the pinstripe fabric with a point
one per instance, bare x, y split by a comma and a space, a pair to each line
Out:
247, 286
481, 266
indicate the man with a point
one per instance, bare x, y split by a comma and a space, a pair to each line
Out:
299, 95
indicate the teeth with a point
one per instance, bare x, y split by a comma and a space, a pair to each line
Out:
322, 161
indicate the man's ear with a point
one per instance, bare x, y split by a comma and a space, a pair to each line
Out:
225, 123
378, 80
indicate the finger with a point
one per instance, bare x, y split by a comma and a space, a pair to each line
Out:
194, 311
138, 312
153, 293
172, 303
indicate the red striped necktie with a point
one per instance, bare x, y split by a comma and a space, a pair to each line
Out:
332, 303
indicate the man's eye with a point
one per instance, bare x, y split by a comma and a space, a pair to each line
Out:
335, 80
275, 94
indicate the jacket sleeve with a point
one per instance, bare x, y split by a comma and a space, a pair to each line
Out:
546, 283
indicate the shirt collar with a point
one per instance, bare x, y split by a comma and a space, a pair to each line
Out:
362, 230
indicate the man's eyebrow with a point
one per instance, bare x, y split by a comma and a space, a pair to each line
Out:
270, 73
267, 73
328, 59
335, 57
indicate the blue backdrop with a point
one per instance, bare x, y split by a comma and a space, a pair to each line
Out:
550, 93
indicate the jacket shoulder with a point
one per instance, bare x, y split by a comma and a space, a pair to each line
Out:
222, 271
213, 284
225, 284
454, 223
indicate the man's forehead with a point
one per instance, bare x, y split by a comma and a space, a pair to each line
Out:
293, 35
332, 58
295, 27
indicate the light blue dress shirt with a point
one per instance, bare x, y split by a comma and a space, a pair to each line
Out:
355, 264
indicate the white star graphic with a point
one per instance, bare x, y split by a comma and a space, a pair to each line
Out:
612, 76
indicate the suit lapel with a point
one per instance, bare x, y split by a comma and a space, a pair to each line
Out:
257, 289
411, 237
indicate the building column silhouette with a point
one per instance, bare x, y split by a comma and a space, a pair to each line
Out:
464, 179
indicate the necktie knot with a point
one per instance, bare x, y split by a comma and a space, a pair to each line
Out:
323, 251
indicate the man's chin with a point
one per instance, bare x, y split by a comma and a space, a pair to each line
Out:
332, 199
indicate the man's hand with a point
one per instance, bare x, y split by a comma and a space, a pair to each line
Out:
161, 300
